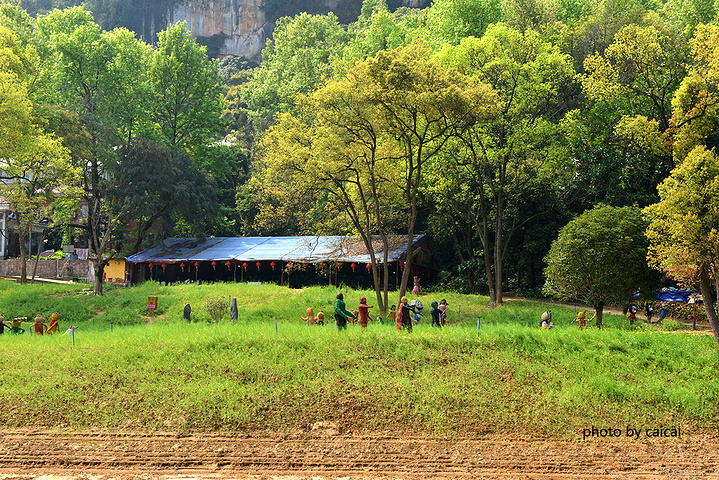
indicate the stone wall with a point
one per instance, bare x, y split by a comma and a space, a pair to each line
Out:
58, 269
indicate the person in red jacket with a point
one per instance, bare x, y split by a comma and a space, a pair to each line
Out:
363, 310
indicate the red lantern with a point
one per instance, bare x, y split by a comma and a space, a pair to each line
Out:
273, 265
401, 264
353, 265
214, 264
304, 265
164, 266
182, 266
369, 267
228, 263
197, 264
322, 264
244, 265
149, 266
257, 264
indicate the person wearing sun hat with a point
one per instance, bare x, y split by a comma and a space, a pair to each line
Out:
39, 326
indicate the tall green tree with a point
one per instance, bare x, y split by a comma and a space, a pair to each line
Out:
684, 228
630, 88
376, 30
34, 166
364, 139
186, 90
600, 258
522, 147
449, 21
297, 60
159, 189
99, 76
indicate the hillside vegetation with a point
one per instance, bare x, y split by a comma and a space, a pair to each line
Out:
127, 369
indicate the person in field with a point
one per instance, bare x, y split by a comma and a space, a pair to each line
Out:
407, 315
363, 310
310, 318
443, 308
436, 315
39, 326
54, 325
582, 319
341, 313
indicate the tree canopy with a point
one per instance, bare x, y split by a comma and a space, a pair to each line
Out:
600, 258
486, 124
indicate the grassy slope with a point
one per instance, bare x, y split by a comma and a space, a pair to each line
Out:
157, 372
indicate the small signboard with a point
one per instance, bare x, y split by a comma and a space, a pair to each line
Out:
151, 302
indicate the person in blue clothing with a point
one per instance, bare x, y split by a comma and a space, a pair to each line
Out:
436, 315
341, 313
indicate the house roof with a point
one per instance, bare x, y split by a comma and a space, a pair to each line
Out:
308, 249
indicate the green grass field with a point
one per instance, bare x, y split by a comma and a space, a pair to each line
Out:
129, 369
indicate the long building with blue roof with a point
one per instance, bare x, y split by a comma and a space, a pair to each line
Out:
297, 260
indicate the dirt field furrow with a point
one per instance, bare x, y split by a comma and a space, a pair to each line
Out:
28, 455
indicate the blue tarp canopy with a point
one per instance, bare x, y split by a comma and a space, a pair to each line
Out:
308, 249
673, 296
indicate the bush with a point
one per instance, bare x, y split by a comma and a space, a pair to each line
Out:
216, 308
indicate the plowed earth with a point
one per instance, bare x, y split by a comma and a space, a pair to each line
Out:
325, 455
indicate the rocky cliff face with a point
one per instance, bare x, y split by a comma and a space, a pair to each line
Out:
227, 27
232, 27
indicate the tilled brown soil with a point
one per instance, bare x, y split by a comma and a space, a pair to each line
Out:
34, 454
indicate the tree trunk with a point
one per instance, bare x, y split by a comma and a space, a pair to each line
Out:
599, 308
705, 288
23, 259
39, 251
99, 269
498, 252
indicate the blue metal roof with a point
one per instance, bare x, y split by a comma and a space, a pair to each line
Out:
308, 249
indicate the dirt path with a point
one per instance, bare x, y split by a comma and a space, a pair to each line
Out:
44, 455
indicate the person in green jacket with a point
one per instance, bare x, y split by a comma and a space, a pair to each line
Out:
341, 313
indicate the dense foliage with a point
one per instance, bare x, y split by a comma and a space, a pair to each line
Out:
343, 130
